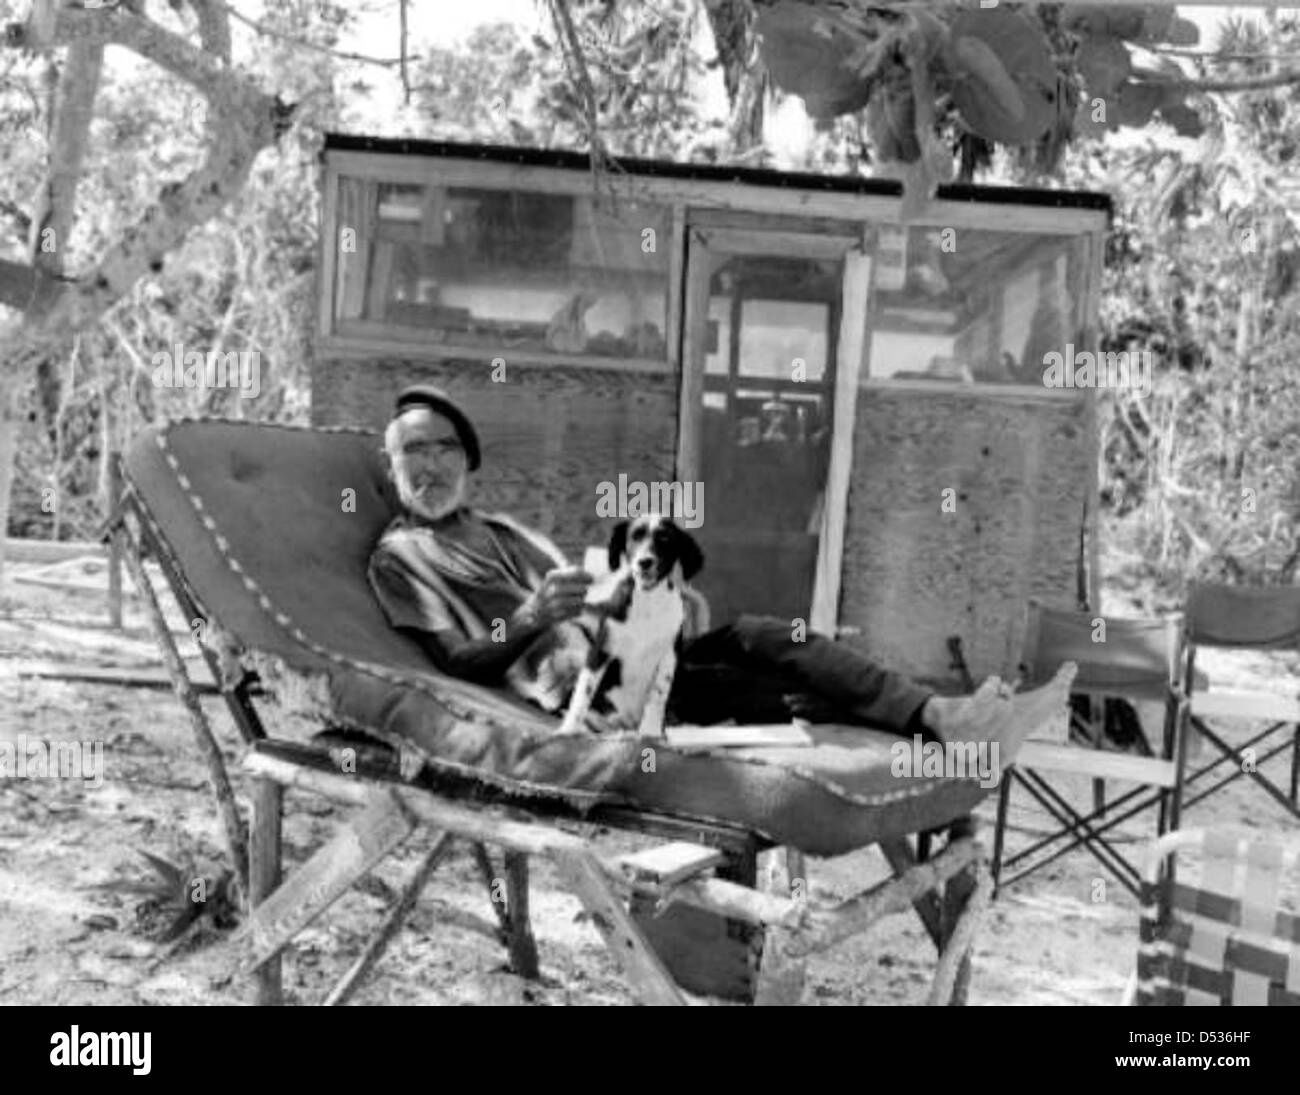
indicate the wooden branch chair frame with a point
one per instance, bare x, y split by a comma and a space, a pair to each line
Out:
1159, 779
705, 865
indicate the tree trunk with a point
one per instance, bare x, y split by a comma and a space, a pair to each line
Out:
241, 121
10, 421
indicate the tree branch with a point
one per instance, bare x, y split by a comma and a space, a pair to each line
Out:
1243, 83
56, 204
118, 26
576, 60
243, 120
214, 27
268, 32
1246, 83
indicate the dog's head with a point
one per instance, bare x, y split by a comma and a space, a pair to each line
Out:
652, 546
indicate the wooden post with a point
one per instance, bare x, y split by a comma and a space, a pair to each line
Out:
901, 860
782, 976
523, 947
488, 872
952, 978
114, 544
959, 902
264, 875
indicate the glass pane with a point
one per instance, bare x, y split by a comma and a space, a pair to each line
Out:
773, 322
776, 335
977, 306
506, 269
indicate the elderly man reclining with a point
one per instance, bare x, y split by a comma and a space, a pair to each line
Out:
442, 570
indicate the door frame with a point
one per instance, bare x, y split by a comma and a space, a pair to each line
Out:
705, 244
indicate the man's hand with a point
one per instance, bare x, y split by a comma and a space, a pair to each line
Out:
562, 596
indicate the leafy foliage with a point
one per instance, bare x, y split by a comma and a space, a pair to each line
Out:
1201, 479
1031, 81
905, 85
505, 86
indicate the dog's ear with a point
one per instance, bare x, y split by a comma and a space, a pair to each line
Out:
618, 545
689, 554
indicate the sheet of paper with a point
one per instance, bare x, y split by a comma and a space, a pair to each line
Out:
784, 734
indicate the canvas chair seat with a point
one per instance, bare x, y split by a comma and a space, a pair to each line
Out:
272, 528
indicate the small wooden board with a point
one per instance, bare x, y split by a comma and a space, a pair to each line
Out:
751, 736
668, 864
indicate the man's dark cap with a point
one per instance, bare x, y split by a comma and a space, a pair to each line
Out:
426, 395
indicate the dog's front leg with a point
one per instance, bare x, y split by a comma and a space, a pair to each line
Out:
656, 705
589, 678
580, 703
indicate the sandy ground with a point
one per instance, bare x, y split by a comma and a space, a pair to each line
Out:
1066, 935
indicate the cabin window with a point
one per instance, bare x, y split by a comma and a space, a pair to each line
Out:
493, 271
976, 306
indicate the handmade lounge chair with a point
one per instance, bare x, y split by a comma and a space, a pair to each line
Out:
263, 534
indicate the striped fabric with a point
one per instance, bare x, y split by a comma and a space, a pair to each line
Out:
1227, 940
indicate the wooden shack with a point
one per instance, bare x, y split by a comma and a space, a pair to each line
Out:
853, 409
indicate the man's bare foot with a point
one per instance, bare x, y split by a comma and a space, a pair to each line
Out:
994, 713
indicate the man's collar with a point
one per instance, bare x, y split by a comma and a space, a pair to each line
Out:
412, 520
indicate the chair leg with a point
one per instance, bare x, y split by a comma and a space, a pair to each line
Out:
218, 778
782, 978
1000, 826
967, 896
796, 869
1295, 766
342, 992
957, 895
898, 853
523, 947
264, 864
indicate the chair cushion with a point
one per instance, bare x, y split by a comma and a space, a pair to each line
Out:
272, 527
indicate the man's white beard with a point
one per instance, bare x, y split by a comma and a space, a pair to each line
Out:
411, 499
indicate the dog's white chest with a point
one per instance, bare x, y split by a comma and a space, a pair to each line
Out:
640, 642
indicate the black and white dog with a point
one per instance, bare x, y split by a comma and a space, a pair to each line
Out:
637, 616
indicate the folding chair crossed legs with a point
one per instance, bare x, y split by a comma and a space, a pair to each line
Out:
1134, 659
1260, 619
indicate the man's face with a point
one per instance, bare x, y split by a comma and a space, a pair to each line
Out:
429, 464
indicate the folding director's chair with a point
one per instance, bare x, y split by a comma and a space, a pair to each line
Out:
1230, 939
1258, 619
1138, 660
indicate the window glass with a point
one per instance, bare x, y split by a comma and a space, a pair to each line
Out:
506, 269
975, 306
